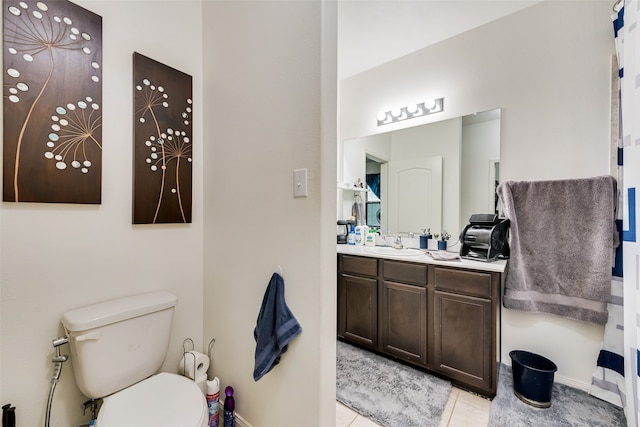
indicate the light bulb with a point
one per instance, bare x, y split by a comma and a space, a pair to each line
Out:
412, 108
381, 116
430, 103
395, 112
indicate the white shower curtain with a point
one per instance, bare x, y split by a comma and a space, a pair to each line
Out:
628, 52
608, 382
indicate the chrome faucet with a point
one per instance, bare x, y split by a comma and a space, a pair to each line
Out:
397, 243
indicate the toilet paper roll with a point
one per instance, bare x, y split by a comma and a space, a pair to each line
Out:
194, 365
201, 381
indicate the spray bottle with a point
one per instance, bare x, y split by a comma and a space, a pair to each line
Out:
229, 408
213, 399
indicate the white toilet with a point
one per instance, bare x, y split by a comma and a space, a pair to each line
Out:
117, 347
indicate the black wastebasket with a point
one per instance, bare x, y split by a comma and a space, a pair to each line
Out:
532, 378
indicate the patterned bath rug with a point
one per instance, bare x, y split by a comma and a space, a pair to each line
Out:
390, 393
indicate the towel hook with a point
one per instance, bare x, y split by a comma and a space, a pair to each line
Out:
280, 270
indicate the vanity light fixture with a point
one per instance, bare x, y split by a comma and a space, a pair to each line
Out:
411, 111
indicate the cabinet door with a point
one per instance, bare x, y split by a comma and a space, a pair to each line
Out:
358, 309
404, 321
463, 339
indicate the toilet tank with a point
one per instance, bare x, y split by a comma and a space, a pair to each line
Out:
120, 342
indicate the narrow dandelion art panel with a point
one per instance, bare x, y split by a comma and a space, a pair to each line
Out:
52, 75
162, 143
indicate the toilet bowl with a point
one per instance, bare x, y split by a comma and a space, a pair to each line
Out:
162, 400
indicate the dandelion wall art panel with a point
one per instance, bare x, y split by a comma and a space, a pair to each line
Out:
52, 75
162, 143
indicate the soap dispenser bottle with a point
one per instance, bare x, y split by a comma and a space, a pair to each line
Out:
361, 234
351, 238
370, 238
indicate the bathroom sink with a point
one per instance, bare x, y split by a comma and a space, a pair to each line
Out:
389, 251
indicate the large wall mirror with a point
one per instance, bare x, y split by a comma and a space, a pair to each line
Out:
429, 176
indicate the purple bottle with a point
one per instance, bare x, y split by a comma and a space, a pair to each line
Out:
229, 407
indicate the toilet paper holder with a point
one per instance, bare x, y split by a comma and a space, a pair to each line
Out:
184, 353
188, 346
211, 344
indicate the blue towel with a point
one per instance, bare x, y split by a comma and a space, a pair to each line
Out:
276, 327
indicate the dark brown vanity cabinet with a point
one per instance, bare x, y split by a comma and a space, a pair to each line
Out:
437, 317
358, 300
403, 311
465, 326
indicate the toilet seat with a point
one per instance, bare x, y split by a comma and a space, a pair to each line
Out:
162, 400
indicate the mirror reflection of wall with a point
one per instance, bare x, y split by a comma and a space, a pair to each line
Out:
480, 164
469, 151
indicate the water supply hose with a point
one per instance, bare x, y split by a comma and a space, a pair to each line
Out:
57, 360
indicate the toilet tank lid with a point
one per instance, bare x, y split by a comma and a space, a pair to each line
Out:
116, 310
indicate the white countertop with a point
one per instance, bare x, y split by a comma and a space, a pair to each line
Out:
497, 266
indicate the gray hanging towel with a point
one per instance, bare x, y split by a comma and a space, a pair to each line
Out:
357, 211
275, 329
562, 238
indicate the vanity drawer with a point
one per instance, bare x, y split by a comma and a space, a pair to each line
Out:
405, 272
359, 265
466, 282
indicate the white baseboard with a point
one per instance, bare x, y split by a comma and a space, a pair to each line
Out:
573, 383
240, 422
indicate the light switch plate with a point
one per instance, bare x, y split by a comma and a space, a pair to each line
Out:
300, 183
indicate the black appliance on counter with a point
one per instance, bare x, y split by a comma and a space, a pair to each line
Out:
486, 238
343, 230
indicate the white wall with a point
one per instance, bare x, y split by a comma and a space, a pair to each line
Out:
548, 68
271, 108
55, 257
